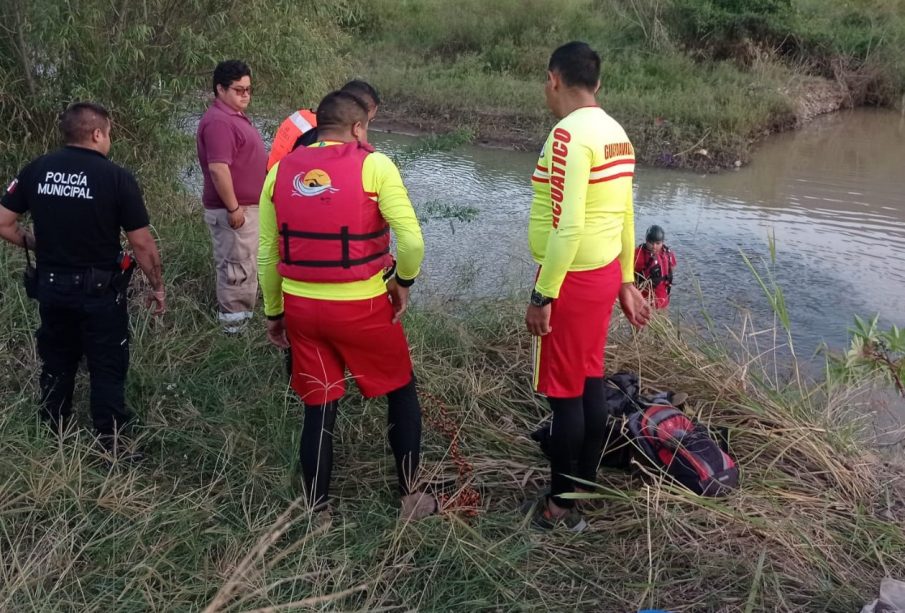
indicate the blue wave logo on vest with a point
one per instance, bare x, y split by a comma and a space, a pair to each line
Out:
313, 183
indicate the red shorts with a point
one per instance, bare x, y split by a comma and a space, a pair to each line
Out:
328, 336
573, 349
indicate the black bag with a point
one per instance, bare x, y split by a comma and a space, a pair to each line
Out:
622, 393
684, 449
650, 430
622, 390
30, 276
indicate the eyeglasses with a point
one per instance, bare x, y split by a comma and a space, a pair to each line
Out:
242, 91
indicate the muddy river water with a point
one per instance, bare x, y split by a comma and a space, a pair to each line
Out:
830, 197
830, 194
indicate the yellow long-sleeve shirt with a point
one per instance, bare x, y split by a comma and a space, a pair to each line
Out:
582, 215
378, 175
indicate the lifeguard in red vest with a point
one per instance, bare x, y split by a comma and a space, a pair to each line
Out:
333, 293
654, 265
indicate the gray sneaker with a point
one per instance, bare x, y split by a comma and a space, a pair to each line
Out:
542, 519
322, 517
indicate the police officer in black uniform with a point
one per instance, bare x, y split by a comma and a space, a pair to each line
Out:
79, 202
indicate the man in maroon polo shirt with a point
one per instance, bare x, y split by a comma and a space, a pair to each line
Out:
234, 164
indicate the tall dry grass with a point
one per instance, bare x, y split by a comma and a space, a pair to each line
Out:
210, 521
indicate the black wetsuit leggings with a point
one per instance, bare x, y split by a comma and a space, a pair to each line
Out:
316, 449
577, 435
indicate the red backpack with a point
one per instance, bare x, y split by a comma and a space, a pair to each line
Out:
684, 449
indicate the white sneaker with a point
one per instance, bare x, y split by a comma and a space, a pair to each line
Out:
234, 323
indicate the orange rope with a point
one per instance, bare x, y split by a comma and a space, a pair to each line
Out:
466, 499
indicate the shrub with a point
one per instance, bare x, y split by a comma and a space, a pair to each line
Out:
144, 60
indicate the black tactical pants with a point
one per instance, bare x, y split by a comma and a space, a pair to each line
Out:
73, 324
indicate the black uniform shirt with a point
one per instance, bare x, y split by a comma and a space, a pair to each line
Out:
79, 200
309, 137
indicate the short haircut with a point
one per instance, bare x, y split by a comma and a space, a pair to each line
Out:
340, 109
80, 119
363, 90
577, 64
228, 72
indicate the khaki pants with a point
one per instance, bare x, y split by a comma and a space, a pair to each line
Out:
236, 260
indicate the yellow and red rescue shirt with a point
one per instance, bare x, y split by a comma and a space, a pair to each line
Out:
582, 216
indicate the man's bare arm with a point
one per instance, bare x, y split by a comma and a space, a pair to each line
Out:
148, 257
223, 183
222, 178
12, 232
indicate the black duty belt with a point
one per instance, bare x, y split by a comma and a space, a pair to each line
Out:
62, 277
93, 281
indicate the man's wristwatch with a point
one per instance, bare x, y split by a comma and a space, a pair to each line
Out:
389, 272
539, 300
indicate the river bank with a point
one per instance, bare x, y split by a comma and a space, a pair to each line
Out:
521, 131
524, 129
212, 522
696, 84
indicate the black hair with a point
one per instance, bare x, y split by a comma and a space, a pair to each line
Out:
363, 90
577, 64
80, 119
340, 109
228, 72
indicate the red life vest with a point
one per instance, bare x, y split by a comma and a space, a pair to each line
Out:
648, 278
330, 229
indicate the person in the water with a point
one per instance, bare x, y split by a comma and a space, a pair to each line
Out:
654, 266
